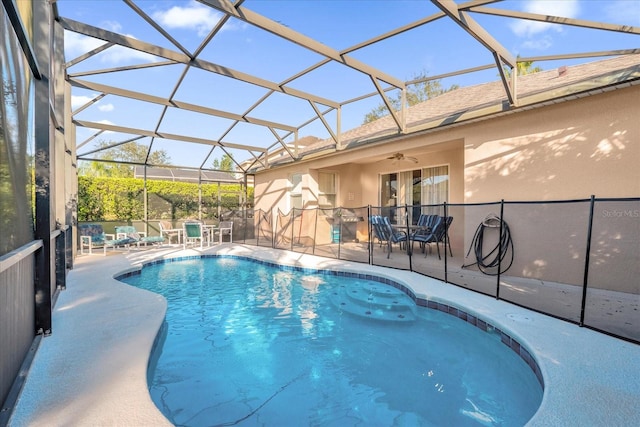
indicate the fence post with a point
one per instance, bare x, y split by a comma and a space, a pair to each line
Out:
315, 232
585, 279
274, 225
406, 222
340, 228
370, 234
446, 242
499, 249
293, 225
257, 230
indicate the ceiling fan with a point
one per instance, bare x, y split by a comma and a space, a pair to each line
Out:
401, 157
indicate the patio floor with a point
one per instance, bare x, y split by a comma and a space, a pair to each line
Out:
92, 369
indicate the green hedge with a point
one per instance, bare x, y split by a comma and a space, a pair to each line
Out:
110, 199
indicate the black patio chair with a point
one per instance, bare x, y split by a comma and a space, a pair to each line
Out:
386, 234
425, 224
435, 233
378, 229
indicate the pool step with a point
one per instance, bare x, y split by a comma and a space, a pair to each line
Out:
375, 301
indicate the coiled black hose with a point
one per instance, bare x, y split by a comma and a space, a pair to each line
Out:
491, 262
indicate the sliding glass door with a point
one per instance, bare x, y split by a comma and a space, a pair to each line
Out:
415, 188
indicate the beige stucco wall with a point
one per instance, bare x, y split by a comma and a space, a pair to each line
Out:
569, 150
449, 153
357, 184
565, 151
271, 187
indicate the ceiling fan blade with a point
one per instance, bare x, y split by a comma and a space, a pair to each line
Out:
401, 157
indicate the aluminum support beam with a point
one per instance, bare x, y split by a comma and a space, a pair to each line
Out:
139, 96
283, 31
386, 101
44, 173
161, 52
152, 134
557, 20
582, 55
23, 38
474, 29
158, 28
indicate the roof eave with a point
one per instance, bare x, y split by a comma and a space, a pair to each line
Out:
486, 112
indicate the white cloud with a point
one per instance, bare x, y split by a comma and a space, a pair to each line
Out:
563, 8
77, 44
79, 101
113, 26
542, 43
191, 16
106, 108
119, 54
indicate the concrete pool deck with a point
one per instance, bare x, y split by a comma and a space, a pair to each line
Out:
92, 370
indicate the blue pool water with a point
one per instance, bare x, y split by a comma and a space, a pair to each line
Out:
250, 344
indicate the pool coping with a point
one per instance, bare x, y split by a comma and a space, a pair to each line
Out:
86, 373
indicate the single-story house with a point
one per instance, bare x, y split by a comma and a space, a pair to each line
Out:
575, 133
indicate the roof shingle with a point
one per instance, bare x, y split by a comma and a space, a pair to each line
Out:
449, 107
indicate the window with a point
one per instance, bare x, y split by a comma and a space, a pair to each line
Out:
326, 189
295, 191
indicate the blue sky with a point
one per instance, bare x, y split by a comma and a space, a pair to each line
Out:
440, 47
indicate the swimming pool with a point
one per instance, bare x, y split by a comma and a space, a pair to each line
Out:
248, 343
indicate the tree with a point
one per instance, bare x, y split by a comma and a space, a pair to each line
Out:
224, 164
416, 93
131, 152
523, 68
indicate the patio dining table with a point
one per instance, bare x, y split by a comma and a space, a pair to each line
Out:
210, 230
413, 228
